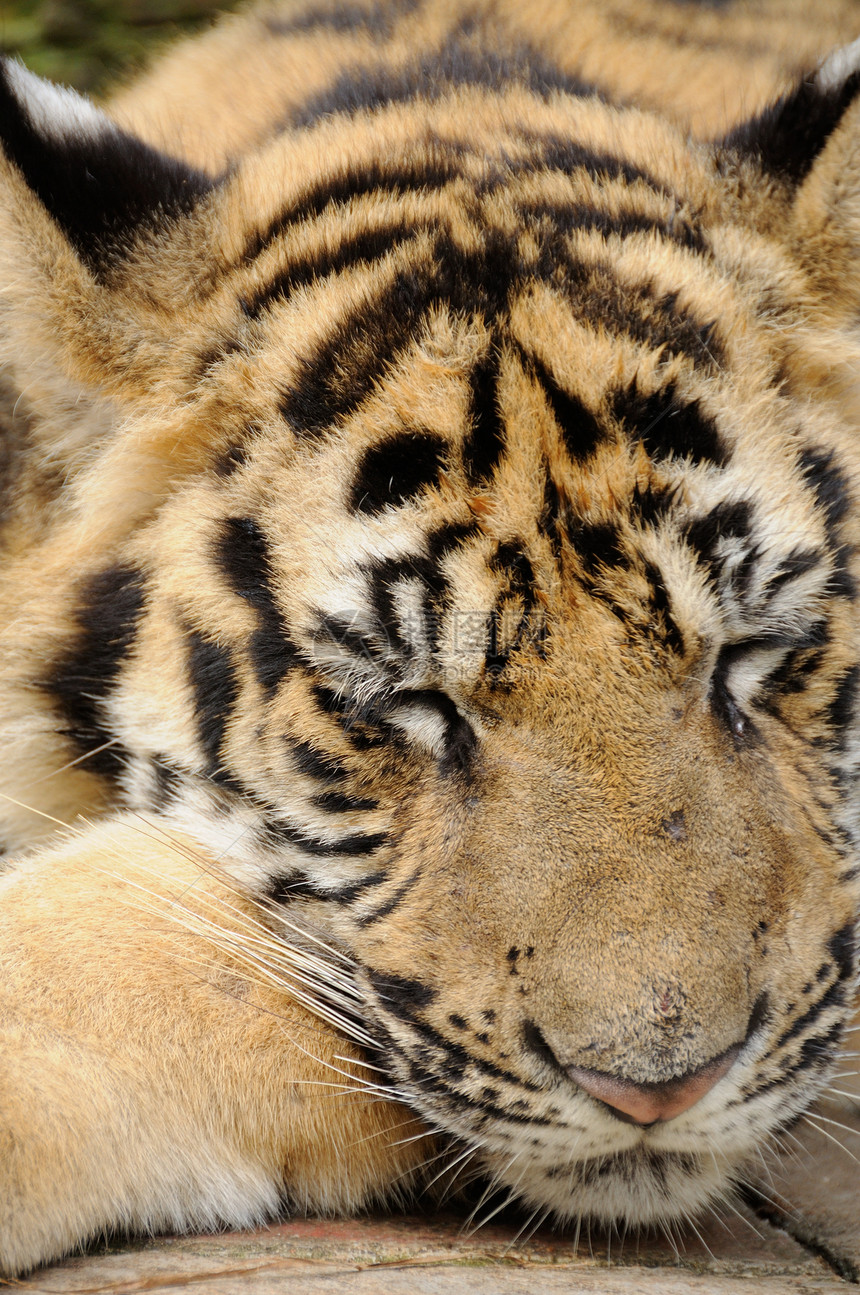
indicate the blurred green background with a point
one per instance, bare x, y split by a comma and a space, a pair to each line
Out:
88, 43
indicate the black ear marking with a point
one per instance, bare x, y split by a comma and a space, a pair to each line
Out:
788, 136
99, 183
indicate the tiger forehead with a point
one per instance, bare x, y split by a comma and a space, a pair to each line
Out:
466, 219
515, 142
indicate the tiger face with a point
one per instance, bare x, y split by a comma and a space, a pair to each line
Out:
465, 557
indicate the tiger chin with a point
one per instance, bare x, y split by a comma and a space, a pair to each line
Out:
429, 671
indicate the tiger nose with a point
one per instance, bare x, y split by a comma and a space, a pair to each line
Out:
653, 1103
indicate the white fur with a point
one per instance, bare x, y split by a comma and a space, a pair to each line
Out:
836, 69
55, 111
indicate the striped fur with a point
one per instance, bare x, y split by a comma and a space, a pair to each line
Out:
429, 577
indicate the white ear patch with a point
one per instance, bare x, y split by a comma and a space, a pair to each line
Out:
54, 111
837, 67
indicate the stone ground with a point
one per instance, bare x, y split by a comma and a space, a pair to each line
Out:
801, 1236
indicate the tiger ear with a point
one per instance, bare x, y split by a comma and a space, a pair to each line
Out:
789, 136
97, 183
808, 142
81, 332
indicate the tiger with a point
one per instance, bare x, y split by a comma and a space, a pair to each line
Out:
429, 525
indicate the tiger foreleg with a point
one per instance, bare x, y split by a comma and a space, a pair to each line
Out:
156, 1074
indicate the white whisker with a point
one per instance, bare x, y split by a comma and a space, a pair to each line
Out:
831, 1138
10, 800
96, 750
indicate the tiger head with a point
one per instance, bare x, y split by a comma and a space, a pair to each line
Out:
459, 502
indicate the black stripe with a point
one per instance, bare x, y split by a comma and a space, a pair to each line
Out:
402, 997
317, 764
396, 470
661, 603
511, 559
168, 781
337, 802
598, 545
834, 997
228, 781
842, 709
444, 540
485, 439
383, 577
730, 519
376, 914
480, 281
242, 554
214, 355
230, 460
842, 583
723, 704
348, 894
407, 1010
580, 430
502, 644
650, 503
369, 245
800, 666
334, 381
668, 426
432, 76
842, 947
796, 564
216, 689
375, 19
378, 177
731, 653
820, 1049
828, 480
430, 1077
333, 629
520, 599
363, 733
109, 608
495, 653
566, 217
834, 835
550, 152
359, 843
235, 455
448, 537
243, 557
553, 518
338, 376
286, 887
636, 310
534, 1041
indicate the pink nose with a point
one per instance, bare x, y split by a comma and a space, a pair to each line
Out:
653, 1103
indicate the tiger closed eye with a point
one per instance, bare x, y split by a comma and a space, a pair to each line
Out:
429, 673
